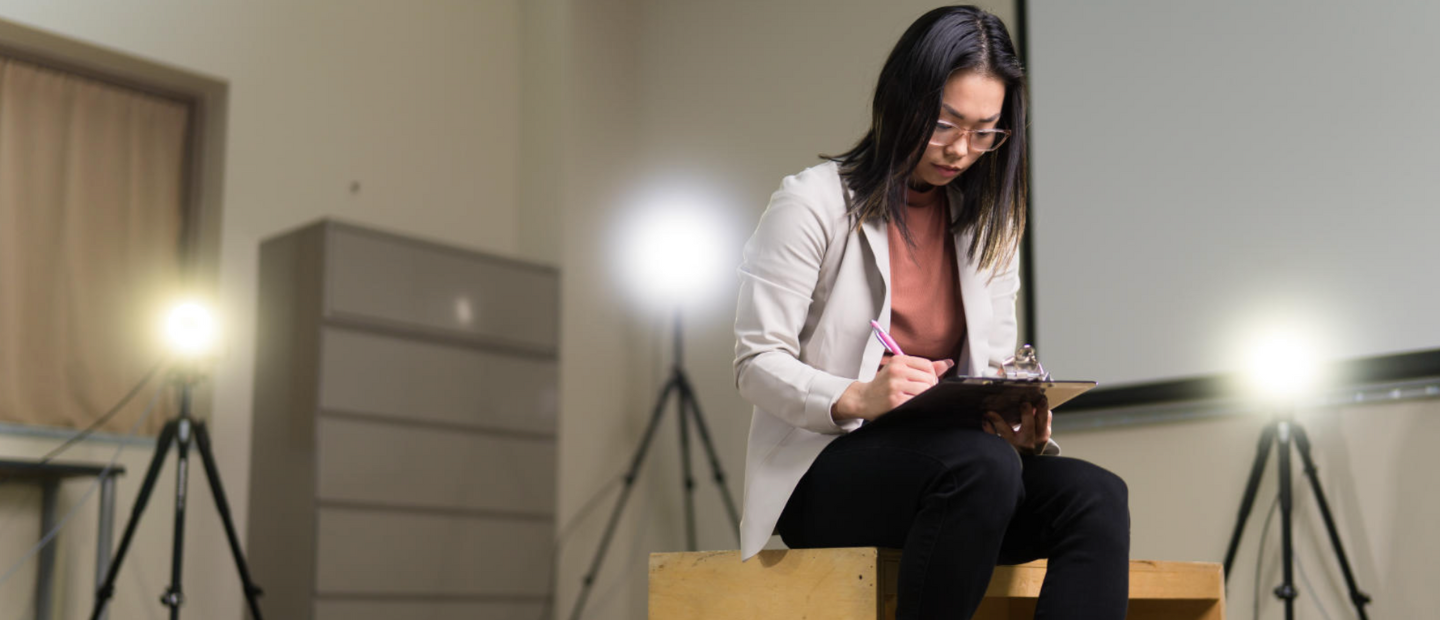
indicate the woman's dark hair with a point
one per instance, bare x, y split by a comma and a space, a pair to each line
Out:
992, 192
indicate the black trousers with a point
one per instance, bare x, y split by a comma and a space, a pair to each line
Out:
957, 501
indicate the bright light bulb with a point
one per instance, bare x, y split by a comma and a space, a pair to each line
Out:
1283, 365
674, 256
190, 329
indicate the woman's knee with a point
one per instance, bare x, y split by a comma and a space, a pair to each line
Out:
999, 457
1111, 489
990, 468
1107, 499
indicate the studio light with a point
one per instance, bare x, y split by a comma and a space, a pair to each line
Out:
673, 256
1283, 365
190, 329
1284, 371
672, 249
191, 332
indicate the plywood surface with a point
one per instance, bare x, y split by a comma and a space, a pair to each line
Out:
859, 583
838, 584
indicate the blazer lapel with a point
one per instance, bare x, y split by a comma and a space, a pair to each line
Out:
877, 236
975, 297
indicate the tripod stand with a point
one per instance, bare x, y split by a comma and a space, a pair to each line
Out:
688, 407
182, 431
1282, 430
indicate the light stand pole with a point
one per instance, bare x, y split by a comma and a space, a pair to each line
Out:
1285, 431
181, 431
688, 408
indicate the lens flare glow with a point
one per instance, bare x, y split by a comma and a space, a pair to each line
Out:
190, 329
1283, 364
674, 255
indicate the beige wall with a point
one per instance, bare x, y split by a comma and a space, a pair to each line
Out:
418, 102
1186, 480
601, 363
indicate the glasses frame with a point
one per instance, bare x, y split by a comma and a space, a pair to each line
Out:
968, 135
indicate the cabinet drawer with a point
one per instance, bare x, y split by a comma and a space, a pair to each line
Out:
377, 553
380, 463
390, 279
383, 375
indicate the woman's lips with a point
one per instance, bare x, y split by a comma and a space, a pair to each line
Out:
948, 171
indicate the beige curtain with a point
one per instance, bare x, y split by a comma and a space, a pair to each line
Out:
92, 190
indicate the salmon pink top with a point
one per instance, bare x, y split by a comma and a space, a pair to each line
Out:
926, 317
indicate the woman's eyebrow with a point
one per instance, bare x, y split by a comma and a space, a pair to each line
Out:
962, 116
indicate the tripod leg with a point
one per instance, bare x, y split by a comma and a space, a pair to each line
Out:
212, 473
687, 476
1262, 454
687, 397
1286, 590
174, 596
589, 582
107, 588
1302, 443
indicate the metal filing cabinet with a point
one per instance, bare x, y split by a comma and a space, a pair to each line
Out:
403, 455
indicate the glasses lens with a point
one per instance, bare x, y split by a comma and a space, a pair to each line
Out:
944, 134
987, 140
980, 141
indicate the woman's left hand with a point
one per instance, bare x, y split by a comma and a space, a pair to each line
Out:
1034, 430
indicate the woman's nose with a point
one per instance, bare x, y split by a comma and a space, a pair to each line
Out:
959, 148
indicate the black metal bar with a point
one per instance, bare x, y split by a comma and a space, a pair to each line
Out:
678, 340
180, 431
1354, 372
630, 475
680, 385
107, 589
1360, 599
174, 596
1286, 590
1257, 469
687, 476
687, 393
1027, 251
217, 490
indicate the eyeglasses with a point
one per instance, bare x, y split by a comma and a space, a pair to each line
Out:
978, 140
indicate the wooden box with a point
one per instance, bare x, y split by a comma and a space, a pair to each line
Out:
859, 584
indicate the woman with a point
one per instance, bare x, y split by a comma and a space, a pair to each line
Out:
917, 227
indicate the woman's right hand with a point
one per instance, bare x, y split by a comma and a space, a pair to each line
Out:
898, 381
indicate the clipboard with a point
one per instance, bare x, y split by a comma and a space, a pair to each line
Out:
971, 397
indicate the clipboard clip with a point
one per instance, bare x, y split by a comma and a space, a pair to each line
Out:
1024, 366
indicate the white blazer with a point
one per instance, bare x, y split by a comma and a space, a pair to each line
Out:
809, 286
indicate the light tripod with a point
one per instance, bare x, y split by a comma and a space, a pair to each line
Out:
181, 431
688, 408
1284, 430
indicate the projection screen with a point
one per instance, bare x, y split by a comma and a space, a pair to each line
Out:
1205, 170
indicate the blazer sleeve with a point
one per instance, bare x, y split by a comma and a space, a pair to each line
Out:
779, 269
1003, 290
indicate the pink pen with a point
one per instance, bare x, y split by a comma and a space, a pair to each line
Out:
885, 339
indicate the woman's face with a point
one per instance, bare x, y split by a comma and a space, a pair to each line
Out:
970, 101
